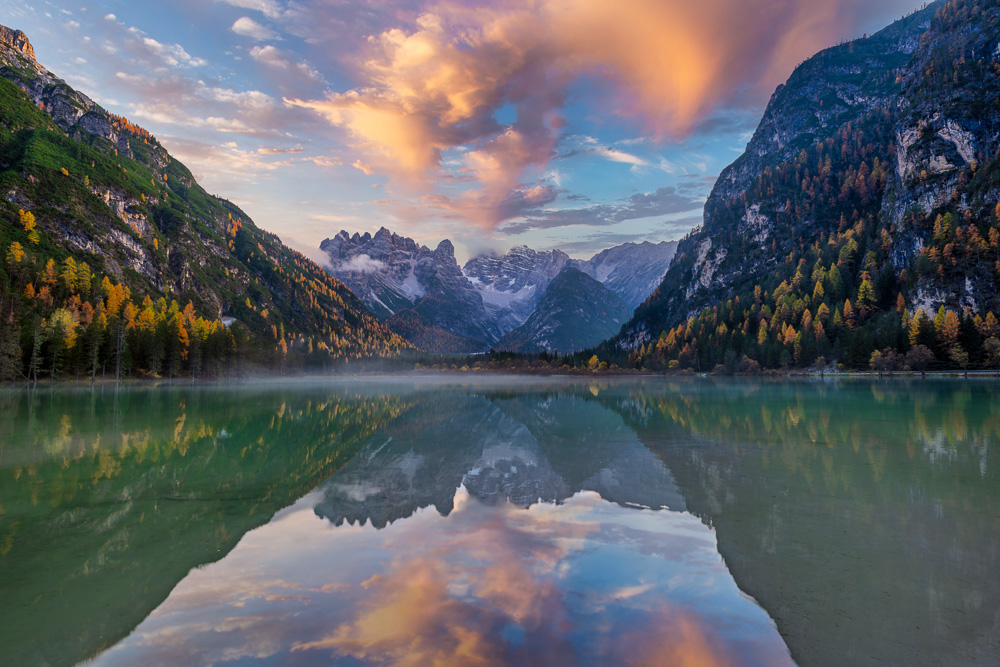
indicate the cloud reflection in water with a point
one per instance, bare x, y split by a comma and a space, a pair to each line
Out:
581, 582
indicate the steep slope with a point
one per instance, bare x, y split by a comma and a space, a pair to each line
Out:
867, 194
575, 313
513, 284
632, 270
451, 303
103, 192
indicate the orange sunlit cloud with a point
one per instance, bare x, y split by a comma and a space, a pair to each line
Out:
666, 63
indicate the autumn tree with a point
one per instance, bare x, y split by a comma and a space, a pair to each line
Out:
947, 331
960, 357
27, 219
991, 347
866, 297
918, 358
15, 253
61, 332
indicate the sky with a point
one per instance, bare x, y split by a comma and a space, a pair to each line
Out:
570, 124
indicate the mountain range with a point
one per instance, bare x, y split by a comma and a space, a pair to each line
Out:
434, 303
860, 225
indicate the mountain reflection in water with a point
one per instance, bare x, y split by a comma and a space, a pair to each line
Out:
488, 522
474, 530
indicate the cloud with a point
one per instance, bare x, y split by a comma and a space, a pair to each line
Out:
247, 27
280, 151
435, 82
361, 264
269, 8
181, 100
173, 55
286, 64
477, 205
226, 163
326, 161
615, 155
662, 202
363, 167
427, 92
129, 44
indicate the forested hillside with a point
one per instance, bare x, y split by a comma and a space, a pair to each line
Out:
862, 224
116, 261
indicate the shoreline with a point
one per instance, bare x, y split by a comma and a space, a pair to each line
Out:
565, 374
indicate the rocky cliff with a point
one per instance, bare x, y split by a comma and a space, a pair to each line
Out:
632, 270
420, 293
512, 284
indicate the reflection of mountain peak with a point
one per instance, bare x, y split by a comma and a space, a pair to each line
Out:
637, 479
518, 481
515, 451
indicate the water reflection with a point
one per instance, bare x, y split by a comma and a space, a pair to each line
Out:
864, 517
557, 522
474, 529
517, 448
584, 582
108, 499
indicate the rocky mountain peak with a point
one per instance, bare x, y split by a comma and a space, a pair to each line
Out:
16, 40
446, 249
575, 312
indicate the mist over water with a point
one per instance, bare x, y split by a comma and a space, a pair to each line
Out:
512, 520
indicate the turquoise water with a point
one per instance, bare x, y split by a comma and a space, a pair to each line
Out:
502, 521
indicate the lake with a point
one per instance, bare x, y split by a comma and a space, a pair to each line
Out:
523, 521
